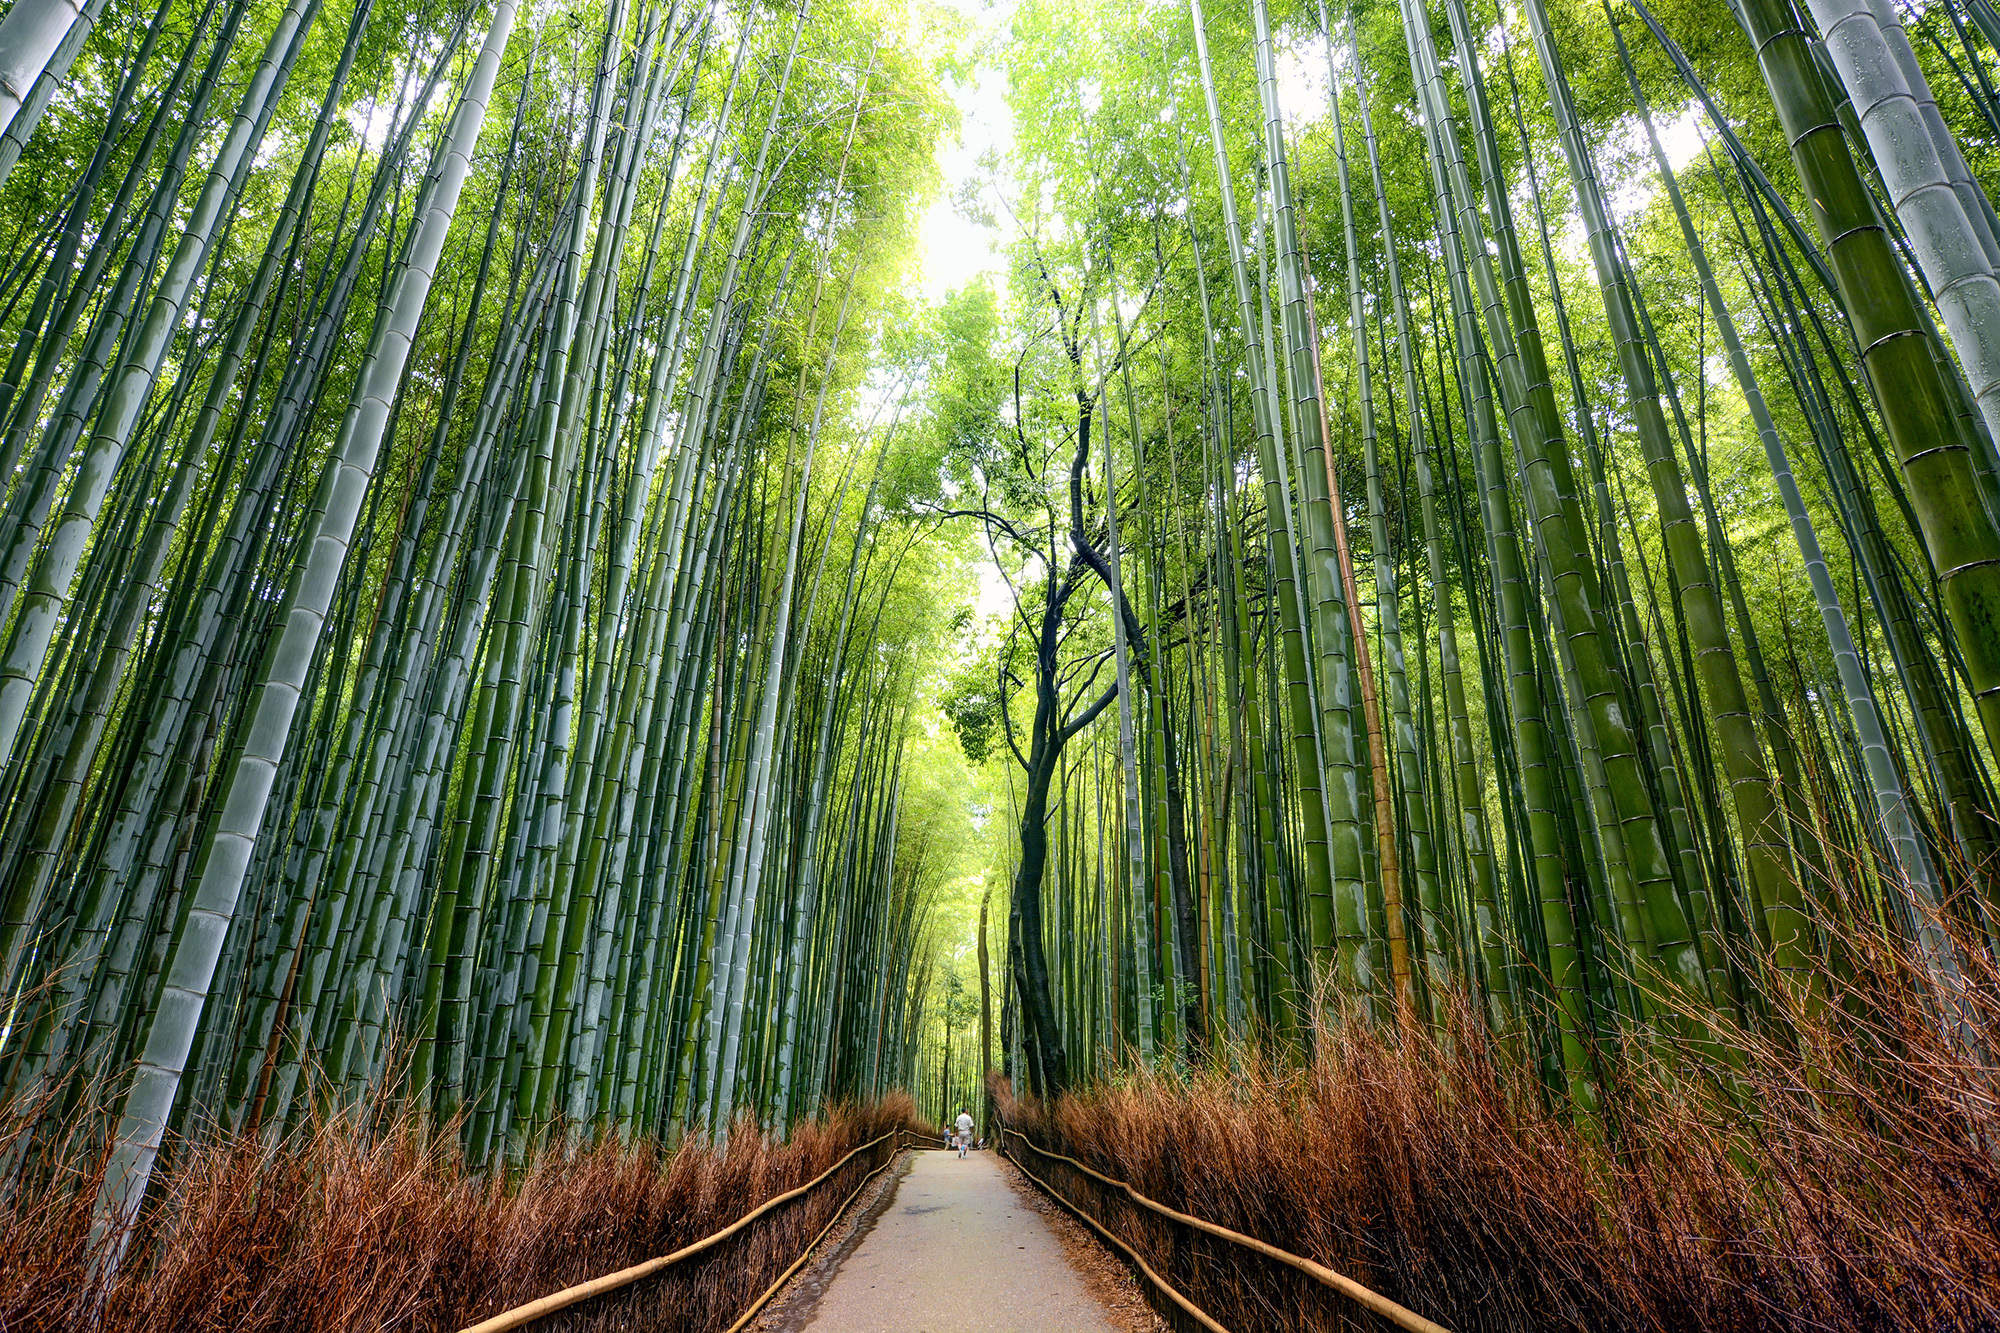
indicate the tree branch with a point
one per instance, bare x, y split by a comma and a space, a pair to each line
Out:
1090, 714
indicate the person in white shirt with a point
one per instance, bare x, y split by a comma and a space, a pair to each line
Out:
964, 1130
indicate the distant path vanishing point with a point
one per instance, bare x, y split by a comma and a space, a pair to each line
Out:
958, 1250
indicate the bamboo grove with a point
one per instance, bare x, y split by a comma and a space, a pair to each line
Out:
1500, 508
463, 616
1496, 510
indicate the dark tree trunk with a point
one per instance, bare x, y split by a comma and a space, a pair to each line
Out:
1049, 1066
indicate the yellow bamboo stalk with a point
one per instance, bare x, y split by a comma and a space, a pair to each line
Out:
1371, 708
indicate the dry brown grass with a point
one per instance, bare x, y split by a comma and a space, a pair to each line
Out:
357, 1230
1844, 1178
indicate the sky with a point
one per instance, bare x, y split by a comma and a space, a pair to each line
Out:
955, 249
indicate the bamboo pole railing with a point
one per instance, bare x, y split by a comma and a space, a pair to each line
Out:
1166, 1288
1399, 1315
522, 1315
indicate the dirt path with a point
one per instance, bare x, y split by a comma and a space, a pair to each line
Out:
956, 1249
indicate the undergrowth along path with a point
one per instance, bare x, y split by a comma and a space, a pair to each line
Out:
958, 1248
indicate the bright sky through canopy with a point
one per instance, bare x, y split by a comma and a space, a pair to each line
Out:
957, 249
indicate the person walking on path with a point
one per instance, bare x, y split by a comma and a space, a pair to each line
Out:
964, 1130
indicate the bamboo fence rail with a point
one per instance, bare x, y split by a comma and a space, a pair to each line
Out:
1396, 1314
522, 1315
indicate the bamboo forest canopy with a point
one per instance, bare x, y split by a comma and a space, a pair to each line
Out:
1478, 510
